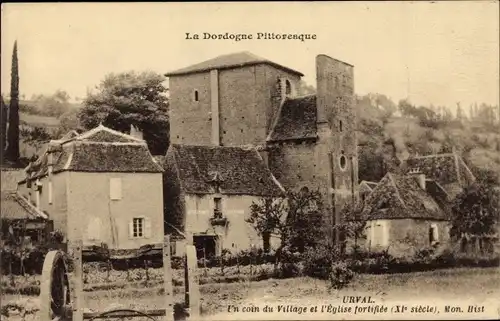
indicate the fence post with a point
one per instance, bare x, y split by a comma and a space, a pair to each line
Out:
192, 283
167, 280
75, 253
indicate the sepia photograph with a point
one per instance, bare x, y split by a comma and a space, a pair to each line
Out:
250, 161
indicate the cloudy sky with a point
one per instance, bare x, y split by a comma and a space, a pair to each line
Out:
440, 53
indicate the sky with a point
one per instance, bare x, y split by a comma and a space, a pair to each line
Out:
432, 53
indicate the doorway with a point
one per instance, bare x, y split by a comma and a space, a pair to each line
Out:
207, 246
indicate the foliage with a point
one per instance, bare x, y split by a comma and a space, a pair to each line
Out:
304, 89
127, 99
68, 121
53, 106
296, 219
475, 211
12, 152
35, 135
3, 125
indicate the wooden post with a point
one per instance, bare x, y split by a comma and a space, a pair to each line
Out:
192, 283
75, 251
167, 280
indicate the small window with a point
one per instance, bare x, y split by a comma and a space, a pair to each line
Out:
115, 188
138, 227
218, 204
340, 126
196, 98
343, 161
433, 234
288, 87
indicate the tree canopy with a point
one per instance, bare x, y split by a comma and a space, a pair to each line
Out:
127, 99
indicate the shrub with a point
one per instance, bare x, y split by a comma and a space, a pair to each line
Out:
340, 274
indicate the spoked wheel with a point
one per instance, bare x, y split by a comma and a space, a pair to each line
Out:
54, 289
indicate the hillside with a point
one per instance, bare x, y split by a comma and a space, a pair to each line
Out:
386, 140
385, 137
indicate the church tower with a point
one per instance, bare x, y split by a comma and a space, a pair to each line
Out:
336, 125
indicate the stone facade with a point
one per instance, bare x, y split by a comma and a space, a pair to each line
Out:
242, 100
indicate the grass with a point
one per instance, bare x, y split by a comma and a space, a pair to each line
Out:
446, 284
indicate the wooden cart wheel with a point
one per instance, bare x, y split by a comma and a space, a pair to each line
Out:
54, 288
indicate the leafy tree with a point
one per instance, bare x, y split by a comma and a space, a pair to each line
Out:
305, 89
36, 136
127, 99
296, 219
12, 152
54, 105
475, 212
67, 122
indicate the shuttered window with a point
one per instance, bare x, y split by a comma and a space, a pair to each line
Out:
140, 227
115, 188
379, 233
94, 229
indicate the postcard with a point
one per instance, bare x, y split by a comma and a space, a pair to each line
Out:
250, 161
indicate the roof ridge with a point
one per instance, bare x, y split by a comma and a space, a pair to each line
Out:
396, 188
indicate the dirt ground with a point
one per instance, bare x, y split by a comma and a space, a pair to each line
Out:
248, 300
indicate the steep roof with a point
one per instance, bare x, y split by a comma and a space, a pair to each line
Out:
98, 150
234, 60
14, 206
449, 170
296, 120
400, 197
367, 186
236, 170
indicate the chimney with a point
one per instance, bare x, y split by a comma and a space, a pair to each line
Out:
136, 132
421, 180
335, 89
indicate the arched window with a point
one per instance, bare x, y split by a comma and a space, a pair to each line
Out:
288, 87
342, 161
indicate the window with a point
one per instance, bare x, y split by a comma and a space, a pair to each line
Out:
217, 207
342, 161
379, 233
340, 126
115, 188
433, 235
140, 227
288, 87
196, 98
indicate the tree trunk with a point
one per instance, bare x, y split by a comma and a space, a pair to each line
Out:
3, 128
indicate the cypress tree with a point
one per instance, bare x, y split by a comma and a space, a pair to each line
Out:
3, 127
13, 131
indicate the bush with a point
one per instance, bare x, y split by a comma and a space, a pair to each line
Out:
340, 274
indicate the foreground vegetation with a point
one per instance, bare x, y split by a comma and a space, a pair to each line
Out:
430, 285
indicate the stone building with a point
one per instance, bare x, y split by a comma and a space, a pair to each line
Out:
242, 100
101, 187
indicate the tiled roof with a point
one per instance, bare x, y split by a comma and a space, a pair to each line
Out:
400, 197
367, 185
233, 60
296, 120
449, 170
98, 150
14, 206
237, 170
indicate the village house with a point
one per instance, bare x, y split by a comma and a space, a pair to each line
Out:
402, 216
241, 101
20, 219
412, 211
210, 190
101, 186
